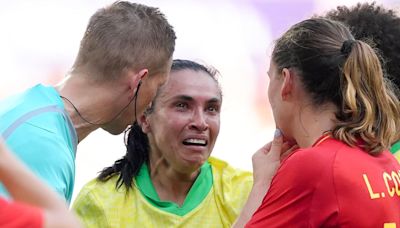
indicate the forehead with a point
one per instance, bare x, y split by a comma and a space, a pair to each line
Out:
191, 83
272, 64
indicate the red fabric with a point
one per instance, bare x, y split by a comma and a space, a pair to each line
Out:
332, 185
16, 215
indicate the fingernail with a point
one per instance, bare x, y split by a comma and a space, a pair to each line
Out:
277, 133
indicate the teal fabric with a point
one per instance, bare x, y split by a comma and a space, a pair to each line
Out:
197, 193
38, 130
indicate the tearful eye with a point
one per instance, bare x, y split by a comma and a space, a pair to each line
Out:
181, 105
213, 109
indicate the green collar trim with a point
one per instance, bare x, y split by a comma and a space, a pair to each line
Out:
197, 193
395, 147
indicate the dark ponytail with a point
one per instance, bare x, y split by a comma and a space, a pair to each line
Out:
137, 146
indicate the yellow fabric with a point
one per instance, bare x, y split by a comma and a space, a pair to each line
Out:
101, 205
397, 155
395, 150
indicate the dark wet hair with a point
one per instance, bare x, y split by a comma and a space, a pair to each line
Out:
137, 143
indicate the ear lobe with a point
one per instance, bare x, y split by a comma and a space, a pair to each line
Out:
287, 84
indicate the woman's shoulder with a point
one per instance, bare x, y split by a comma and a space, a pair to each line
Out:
226, 177
231, 185
102, 189
225, 170
324, 151
306, 162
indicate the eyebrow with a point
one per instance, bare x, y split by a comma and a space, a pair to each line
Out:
189, 98
183, 97
214, 100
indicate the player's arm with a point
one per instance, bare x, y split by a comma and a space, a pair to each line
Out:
265, 163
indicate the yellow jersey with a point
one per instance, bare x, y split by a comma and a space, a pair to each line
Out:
100, 204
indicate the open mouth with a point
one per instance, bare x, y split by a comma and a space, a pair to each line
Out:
195, 142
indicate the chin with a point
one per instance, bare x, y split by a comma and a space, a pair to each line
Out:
191, 168
195, 163
114, 131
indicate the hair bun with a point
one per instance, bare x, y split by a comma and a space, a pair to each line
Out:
347, 47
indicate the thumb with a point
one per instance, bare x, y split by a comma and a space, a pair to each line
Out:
277, 142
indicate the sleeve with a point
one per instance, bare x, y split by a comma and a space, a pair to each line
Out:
240, 184
89, 210
291, 198
14, 214
232, 188
47, 155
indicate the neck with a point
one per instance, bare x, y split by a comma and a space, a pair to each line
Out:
312, 124
92, 102
170, 184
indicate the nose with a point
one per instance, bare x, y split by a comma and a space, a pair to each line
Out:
199, 121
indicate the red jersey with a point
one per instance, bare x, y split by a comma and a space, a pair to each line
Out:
15, 215
332, 185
